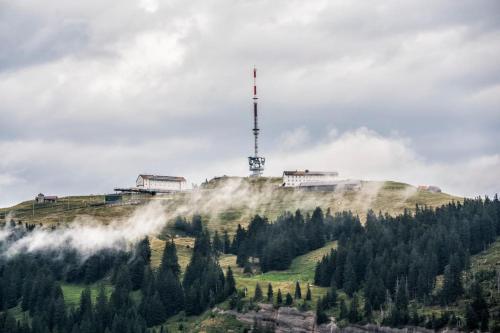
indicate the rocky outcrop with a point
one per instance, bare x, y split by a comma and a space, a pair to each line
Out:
375, 329
291, 320
283, 319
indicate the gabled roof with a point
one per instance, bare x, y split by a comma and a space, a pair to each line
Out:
163, 178
310, 173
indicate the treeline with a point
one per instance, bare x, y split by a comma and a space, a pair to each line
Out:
25, 275
392, 260
32, 281
276, 244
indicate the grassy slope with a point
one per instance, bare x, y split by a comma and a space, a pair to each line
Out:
65, 210
228, 201
487, 260
301, 269
72, 292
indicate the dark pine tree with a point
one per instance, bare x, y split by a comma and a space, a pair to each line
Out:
258, 293
298, 293
353, 315
308, 294
321, 316
230, 284
279, 298
269, 292
452, 284
169, 260
217, 244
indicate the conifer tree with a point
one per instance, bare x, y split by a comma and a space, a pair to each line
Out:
477, 314
321, 316
353, 316
258, 293
170, 292
197, 225
153, 310
120, 300
269, 292
298, 293
288, 299
59, 314
308, 294
143, 250
102, 314
279, 298
349, 278
452, 284
400, 310
230, 283
169, 260
86, 304
137, 272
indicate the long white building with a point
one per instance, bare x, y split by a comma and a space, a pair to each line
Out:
296, 178
162, 183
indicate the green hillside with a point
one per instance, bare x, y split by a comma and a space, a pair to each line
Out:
224, 202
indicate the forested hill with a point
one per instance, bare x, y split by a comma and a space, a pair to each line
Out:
407, 269
396, 264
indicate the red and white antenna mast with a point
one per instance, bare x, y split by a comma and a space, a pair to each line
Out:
255, 162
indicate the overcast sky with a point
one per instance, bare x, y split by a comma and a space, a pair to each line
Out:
93, 93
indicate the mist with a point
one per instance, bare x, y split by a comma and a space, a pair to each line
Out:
88, 235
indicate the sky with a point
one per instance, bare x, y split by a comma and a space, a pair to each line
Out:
92, 93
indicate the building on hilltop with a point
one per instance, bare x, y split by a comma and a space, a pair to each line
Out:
41, 198
155, 182
296, 178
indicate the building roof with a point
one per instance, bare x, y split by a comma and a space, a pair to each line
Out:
163, 178
310, 173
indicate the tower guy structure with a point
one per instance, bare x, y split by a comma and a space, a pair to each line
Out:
255, 162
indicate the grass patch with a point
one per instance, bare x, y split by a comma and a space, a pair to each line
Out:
72, 292
301, 269
487, 260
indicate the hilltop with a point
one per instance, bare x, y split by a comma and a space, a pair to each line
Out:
225, 202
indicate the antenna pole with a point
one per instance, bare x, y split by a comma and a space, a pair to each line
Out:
255, 114
255, 162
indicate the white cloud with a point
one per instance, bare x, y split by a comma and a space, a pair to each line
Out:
365, 154
150, 6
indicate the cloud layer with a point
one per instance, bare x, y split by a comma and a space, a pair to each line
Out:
93, 93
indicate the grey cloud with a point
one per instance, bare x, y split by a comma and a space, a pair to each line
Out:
100, 75
28, 39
